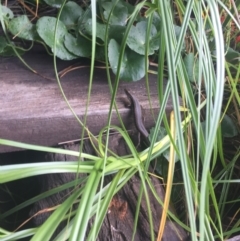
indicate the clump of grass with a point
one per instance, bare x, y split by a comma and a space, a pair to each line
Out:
201, 62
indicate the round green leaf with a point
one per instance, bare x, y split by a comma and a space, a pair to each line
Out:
23, 28
70, 14
137, 38
79, 46
100, 32
119, 15
45, 28
132, 66
229, 129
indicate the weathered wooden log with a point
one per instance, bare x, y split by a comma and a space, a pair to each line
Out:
32, 108
119, 220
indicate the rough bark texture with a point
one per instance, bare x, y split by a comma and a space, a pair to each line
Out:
119, 221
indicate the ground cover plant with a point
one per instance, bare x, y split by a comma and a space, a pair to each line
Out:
195, 45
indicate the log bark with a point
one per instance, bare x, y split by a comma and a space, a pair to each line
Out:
118, 224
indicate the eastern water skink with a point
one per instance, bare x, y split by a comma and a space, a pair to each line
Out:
138, 118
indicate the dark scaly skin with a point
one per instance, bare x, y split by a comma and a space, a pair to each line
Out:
137, 115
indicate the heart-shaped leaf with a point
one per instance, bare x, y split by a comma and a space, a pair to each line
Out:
23, 28
119, 15
100, 31
78, 46
132, 66
70, 14
45, 28
137, 38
